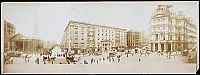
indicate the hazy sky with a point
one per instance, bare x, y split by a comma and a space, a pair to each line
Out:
52, 18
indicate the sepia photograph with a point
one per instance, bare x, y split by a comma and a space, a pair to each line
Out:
130, 37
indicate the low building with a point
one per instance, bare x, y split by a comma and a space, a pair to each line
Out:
23, 43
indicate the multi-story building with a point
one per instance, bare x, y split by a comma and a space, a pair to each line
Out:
171, 31
144, 39
84, 37
133, 39
9, 31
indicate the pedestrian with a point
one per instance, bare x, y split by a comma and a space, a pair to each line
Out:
52, 62
97, 61
118, 57
127, 55
26, 57
28, 60
113, 59
139, 59
91, 61
103, 58
174, 56
11, 60
38, 60
48, 58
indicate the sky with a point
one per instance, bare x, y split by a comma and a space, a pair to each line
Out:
50, 19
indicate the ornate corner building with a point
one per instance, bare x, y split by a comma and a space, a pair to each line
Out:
80, 37
171, 31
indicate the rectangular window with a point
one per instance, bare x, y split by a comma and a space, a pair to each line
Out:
76, 38
82, 28
76, 32
156, 37
76, 27
82, 38
88, 45
76, 44
93, 44
82, 45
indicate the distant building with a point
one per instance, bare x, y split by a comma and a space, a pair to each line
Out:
133, 39
84, 37
23, 43
9, 31
171, 31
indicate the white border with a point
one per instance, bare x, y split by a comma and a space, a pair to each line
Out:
135, 2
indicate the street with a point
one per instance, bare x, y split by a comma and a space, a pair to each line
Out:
149, 64
101, 68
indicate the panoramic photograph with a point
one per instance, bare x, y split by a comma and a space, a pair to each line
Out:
100, 37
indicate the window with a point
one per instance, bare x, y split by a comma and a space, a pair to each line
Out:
76, 32
76, 27
98, 34
163, 37
76, 44
179, 38
98, 38
156, 36
82, 45
93, 44
76, 38
88, 45
82, 28
82, 38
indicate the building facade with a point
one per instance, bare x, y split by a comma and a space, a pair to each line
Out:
134, 39
84, 37
171, 31
9, 31
23, 43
